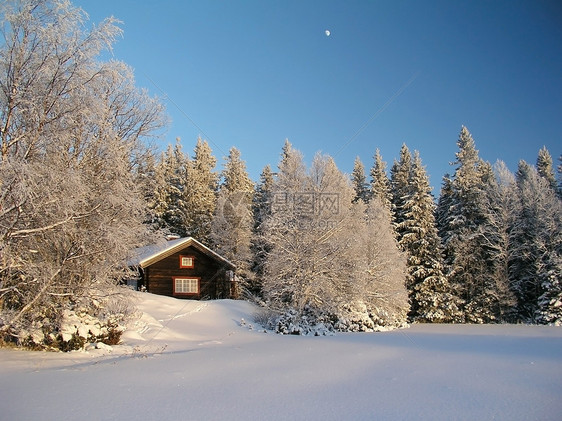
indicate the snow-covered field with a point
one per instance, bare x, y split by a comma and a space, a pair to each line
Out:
193, 360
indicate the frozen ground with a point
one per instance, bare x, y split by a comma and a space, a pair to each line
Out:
188, 360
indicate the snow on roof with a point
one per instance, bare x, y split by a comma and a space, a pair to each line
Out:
146, 256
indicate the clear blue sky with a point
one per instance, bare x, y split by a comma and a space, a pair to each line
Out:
252, 73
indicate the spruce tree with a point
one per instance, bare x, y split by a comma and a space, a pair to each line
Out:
400, 188
560, 177
200, 193
359, 181
380, 185
231, 228
168, 187
536, 259
545, 168
260, 247
428, 288
464, 224
444, 204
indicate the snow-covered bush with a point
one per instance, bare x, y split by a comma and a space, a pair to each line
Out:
75, 324
355, 317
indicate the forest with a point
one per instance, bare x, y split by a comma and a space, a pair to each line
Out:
322, 250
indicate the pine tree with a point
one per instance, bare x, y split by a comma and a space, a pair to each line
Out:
428, 288
380, 185
200, 193
359, 181
231, 228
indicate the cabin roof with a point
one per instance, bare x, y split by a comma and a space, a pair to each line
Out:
148, 255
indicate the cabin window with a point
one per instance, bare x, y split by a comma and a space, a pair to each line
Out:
186, 286
186, 262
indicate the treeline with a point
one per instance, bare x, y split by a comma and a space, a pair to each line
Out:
79, 190
374, 251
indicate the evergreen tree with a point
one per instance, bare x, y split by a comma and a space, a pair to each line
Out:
169, 185
560, 177
494, 301
359, 181
145, 178
231, 228
260, 247
536, 259
428, 288
444, 204
200, 192
545, 168
380, 185
400, 188
466, 226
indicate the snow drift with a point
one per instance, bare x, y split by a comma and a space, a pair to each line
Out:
194, 360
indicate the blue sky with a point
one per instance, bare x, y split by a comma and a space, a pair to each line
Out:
252, 73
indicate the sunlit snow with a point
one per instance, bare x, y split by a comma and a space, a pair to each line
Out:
209, 360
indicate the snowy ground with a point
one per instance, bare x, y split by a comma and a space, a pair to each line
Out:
189, 360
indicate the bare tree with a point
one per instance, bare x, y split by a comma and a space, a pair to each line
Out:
71, 127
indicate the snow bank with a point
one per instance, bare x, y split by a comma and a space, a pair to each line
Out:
194, 360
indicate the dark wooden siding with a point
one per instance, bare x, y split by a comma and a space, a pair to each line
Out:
214, 284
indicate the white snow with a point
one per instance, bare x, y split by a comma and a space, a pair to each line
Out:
209, 360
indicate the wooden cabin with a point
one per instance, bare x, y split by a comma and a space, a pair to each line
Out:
185, 268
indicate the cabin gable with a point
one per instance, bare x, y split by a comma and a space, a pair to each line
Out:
188, 269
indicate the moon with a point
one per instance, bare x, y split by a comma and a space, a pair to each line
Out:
327, 33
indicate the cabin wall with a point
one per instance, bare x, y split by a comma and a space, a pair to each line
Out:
213, 284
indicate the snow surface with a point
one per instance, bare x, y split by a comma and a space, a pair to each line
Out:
202, 360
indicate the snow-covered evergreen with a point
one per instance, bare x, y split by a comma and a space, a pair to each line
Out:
168, 190
231, 227
260, 247
536, 257
359, 181
471, 237
428, 288
380, 184
545, 168
200, 194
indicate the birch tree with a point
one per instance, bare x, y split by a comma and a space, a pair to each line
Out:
329, 255
72, 125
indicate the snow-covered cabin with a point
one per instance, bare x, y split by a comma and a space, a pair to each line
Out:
185, 268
